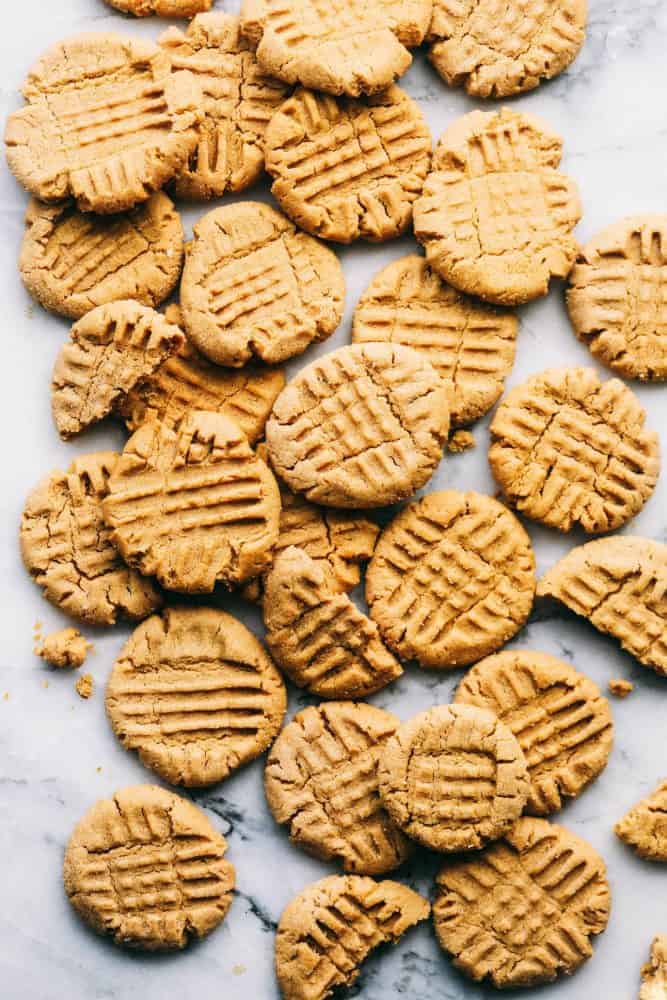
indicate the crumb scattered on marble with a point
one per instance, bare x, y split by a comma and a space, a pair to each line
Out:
84, 686
460, 441
99, 770
5, 696
621, 688
66, 648
45, 684
238, 970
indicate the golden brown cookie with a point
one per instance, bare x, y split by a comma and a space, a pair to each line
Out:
560, 719
84, 686
253, 286
452, 579
147, 868
523, 911
68, 551
654, 973
617, 297
193, 506
318, 635
453, 778
71, 261
321, 782
194, 692
620, 585
460, 442
620, 688
644, 828
106, 123
496, 216
328, 930
499, 49
163, 8
570, 450
470, 345
66, 649
109, 350
363, 426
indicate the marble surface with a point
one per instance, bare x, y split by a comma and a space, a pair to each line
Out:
57, 753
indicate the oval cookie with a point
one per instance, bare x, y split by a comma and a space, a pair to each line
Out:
644, 827
163, 8
147, 868
255, 286
346, 169
570, 450
452, 579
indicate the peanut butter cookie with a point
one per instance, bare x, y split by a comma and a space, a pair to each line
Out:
163, 8
654, 973
645, 827
65, 650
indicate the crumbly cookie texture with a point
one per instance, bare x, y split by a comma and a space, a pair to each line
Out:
617, 297
644, 828
453, 778
524, 910
452, 579
147, 868
68, 551
66, 649
459, 442
568, 450
496, 50
194, 692
106, 122
254, 286
364, 426
620, 688
193, 506
654, 973
560, 719
496, 216
163, 8
346, 169
318, 635
84, 686
328, 930
72, 261
321, 782
620, 585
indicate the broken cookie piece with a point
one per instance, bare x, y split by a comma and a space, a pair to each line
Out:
644, 827
84, 686
621, 688
66, 648
654, 973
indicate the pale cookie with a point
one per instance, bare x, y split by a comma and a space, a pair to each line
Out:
364, 426
560, 719
149, 869
328, 930
496, 216
452, 579
645, 827
239, 100
106, 123
499, 49
318, 635
620, 585
71, 261
568, 450
193, 506
68, 551
109, 350
194, 692
253, 285
654, 973
66, 649
341, 48
163, 8
453, 778
617, 298
346, 169
321, 782
470, 345
523, 911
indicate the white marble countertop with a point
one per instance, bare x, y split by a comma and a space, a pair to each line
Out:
57, 753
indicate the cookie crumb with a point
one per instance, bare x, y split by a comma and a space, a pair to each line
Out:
64, 649
5, 696
45, 684
621, 688
238, 970
98, 770
84, 686
460, 441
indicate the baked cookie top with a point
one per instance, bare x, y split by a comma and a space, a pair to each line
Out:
644, 827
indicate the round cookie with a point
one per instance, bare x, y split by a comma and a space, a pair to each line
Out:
452, 579
253, 285
194, 692
617, 297
106, 123
147, 868
453, 778
522, 912
495, 215
238, 103
321, 782
67, 547
496, 50
471, 345
71, 261
560, 719
644, 827
567, 450
346, 169
193, 506
363, 426
163, 8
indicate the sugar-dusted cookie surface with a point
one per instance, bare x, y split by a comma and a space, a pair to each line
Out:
644, 827
654, 973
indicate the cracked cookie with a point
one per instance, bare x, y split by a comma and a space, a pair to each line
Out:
644, 828
654, 973
452, 579
147, 868
163, 8
560, 719
496, 216
522, 912
66, 649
